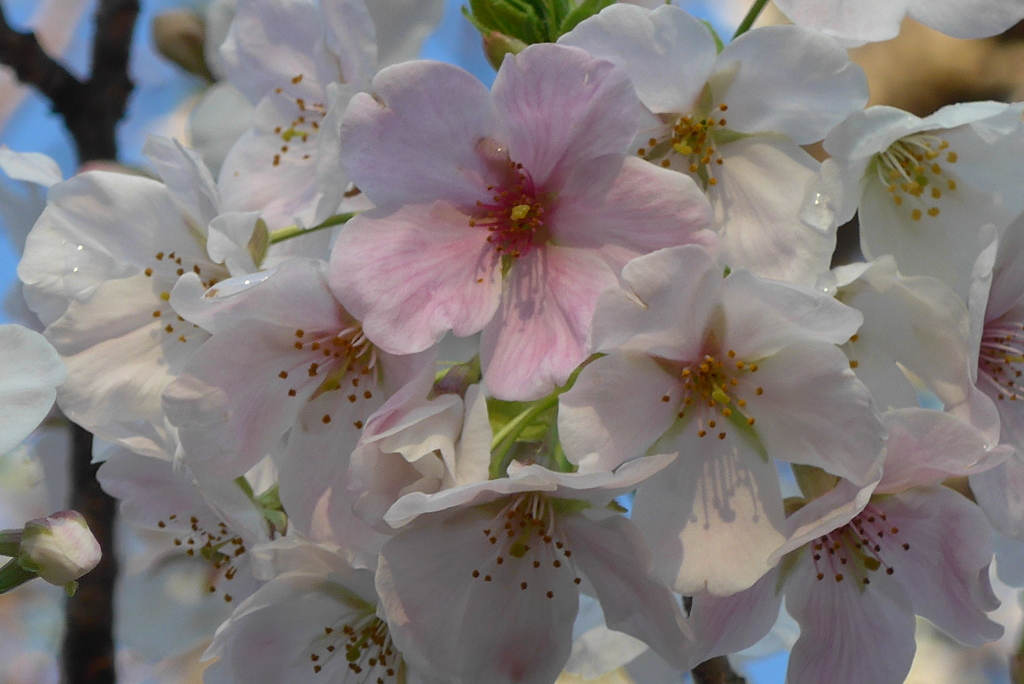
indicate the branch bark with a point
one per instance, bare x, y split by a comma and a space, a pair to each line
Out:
90, 109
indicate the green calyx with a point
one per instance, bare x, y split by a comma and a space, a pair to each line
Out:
508, 26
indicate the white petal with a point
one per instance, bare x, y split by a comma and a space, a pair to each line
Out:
29, 373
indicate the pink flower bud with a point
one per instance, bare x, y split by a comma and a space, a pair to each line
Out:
60, 548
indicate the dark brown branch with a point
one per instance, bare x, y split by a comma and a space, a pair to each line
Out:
716, 671
89, 640
23, 53
91, 109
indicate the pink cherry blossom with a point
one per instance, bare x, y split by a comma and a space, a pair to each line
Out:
506, 212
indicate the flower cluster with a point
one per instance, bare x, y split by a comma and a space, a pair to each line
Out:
392, 372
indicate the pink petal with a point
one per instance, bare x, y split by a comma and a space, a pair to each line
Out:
540, 333
414, 274
945, 568
849, 634
816, 412
925, 447
615, 411
645, 208
727, 624
442, 615
714, 516
414, 140
558, 108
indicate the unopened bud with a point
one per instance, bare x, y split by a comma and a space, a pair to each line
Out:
60, 548
497, 45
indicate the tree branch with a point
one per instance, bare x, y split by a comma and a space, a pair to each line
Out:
716, 671
89, 640
91, 109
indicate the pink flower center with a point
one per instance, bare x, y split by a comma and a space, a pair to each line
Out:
515, 215
854, 550
716, 387
1001, 359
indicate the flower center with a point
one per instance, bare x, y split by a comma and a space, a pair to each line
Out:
367, 646
220, 547
911, 170
340, 360
713, 387
515, 215
854, 550
688, 145
306, 122
524, 536
1001, 358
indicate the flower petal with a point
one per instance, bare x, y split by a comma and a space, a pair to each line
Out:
414, 274
713, 517
557, 108
667, 53
539, 334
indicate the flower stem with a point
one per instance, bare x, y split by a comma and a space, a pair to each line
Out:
752, 15
290, 232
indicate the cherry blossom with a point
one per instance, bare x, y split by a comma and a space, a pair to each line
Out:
868, 559
730, 372
285, 357
734, 122
924, 189
520, 547
506, 213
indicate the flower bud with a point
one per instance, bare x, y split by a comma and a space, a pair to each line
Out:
60, 548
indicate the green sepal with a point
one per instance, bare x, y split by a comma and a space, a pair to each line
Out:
13, 575
270, 499
276, 517
259, 243
813, 482
244, 485
569, 506
719, 45
584, 10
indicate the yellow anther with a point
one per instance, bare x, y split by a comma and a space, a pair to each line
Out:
916, 214
933, 212
520, 211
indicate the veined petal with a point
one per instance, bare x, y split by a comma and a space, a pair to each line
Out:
1000, 493
814, 411
414, 274
411, 144
558, 108
667, 308
615, 410
667, 52
613, 556
761, 187
763, 316
539, 334
941, 555
926, 447
644, 208
713, 517
728, 624
849, 633
789, 80
441, 586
